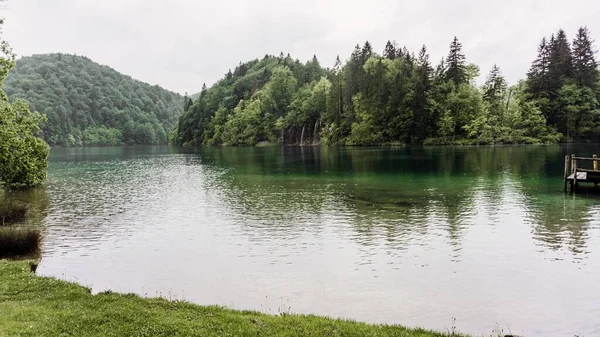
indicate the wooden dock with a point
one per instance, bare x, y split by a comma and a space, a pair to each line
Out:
576, 174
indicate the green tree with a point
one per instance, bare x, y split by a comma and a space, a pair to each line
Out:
584, 63
23, 155
494, 91
421, 102
390, 51
365, 130
537, 77
457, 68
334, 111
581, 111
560, 67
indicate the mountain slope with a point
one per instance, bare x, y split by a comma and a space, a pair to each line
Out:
90, 104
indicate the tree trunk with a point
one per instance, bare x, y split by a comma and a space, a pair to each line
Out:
302, 136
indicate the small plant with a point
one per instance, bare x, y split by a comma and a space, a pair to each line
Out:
19, 241
452, 331
499, 332
284, 308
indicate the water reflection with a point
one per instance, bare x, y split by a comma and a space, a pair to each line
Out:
405, 191
341, 231
390, 195
36, 199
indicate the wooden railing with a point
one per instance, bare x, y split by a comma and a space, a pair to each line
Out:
572, 167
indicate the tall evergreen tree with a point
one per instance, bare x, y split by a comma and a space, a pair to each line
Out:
585, 67
560, 72
440, 69
493, 94
390, 50
335, 102
353, 80
408, 57
495, 85
421, 97
537, 77
561, 61
457, 68
366, 52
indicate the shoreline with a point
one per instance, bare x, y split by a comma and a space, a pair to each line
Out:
34, 305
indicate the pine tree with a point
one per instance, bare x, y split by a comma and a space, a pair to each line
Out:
353, 78
440, 69
390, 50
585, 67
335, 102
407, 56
457, 69
366, 52
399, 53
537, 77
495, 86
493, 94
560, 71
421, 97
561, 61
187, 102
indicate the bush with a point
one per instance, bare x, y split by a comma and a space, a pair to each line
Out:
19, 241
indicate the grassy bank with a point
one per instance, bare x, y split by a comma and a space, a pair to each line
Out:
40, 306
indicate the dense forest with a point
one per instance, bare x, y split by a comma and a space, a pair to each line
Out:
400, 97
90, 104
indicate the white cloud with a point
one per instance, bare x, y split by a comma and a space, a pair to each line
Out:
180, 44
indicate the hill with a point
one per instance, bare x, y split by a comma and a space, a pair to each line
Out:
91, 104
268, 99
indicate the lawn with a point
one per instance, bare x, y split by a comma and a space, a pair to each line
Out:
37, 306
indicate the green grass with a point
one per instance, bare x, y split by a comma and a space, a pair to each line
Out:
15, 241
41, 306
11, 213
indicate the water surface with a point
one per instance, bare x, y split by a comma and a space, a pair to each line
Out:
413, 236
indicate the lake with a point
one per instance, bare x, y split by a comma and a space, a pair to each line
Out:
414, 236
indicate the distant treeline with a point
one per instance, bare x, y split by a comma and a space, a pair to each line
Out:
399, 97
89, 104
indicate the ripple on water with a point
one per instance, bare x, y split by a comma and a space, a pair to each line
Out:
341, 232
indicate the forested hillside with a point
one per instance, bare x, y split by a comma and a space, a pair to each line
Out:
399, 97
90, 104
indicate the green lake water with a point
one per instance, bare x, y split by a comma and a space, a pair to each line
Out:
414, 236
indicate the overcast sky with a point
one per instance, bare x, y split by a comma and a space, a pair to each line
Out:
179, 44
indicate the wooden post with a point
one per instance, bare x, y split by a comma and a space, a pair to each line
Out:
572, 163
566, 171
574, 174
595, 162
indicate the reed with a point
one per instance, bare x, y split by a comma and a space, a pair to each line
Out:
11, 213
17, 241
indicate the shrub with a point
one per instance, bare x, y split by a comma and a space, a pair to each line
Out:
19, 241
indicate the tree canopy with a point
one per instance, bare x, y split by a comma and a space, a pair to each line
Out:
400, 97
86, 103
